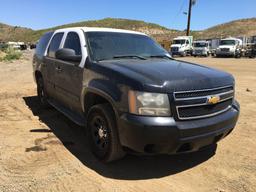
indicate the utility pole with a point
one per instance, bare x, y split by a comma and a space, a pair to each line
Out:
189, 16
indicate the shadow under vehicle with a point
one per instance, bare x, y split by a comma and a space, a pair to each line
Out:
133, 167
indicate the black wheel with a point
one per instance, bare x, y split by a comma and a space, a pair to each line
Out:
41, 93
238, 54
102, 133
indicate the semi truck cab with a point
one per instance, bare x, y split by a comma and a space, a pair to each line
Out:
230, 47
201, 48
182, 45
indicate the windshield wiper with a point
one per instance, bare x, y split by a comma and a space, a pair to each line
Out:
129, 56
160, 56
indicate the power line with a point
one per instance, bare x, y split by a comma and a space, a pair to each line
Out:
180, 10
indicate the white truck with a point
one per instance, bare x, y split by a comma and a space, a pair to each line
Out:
201, 48
230, 47
182, 45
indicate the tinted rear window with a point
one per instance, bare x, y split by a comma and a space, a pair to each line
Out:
42, 44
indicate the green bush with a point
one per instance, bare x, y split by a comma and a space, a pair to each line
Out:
11, 54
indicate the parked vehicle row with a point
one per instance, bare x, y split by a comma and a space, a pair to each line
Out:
17, 45
228, 47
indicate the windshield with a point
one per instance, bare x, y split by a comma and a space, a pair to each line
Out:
200, 44
179, 41
227, 42
111, 45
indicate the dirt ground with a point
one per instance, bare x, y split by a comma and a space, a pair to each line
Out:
41, 150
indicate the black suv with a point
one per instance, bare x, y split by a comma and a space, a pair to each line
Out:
130, 95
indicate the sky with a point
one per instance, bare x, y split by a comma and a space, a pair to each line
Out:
40, 14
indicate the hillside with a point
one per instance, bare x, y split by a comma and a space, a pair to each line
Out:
235, 28
11, 33
135, 25
242, 27
14, 33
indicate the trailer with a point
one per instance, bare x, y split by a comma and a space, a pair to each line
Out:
214, 44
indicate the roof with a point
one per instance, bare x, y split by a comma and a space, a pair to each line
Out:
99, 29
230, 38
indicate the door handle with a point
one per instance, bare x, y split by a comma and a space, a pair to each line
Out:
58, 69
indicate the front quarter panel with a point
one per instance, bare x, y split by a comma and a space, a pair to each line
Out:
109, 84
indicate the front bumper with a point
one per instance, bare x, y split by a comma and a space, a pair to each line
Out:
199, 53
165, 135
225, 53
178, 52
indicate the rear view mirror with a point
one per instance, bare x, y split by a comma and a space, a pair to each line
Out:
67, 55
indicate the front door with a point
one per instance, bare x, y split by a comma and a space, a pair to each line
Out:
69, 75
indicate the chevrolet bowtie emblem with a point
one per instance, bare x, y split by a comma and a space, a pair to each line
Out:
213, 99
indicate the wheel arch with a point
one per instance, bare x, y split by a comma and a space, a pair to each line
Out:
93, 96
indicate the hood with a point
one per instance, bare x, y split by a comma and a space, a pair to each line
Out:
162, 75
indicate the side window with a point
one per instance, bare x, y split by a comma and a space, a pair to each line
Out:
73, 42
187, 42
55, 44
42, 44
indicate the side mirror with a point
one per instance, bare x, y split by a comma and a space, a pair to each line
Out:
67, 55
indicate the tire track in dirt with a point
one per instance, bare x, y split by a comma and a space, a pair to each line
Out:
20, 169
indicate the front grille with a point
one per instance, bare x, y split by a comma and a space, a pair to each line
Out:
194, 104
200, 93
225, 49
199, 51
175, 49
204, 110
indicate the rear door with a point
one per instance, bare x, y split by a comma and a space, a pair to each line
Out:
69, 76
49, 61
38, 59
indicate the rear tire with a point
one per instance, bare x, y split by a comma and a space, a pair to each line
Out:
102, 133
41, 93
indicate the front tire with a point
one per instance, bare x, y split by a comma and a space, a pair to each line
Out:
103, 134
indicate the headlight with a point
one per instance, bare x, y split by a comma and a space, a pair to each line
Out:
149, 104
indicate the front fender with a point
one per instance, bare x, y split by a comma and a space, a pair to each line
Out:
106, 89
